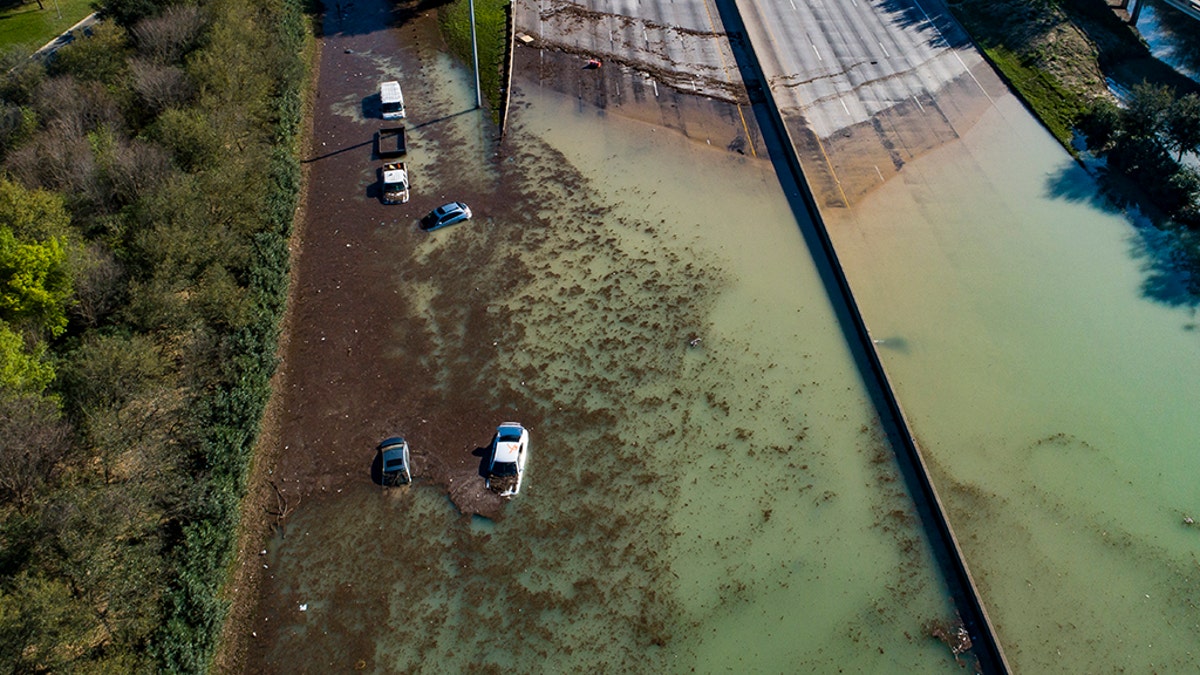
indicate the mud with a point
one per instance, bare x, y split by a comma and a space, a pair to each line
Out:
351, 377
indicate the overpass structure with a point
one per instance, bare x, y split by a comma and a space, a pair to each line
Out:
1189, 7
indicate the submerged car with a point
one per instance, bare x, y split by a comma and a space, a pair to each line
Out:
446, 214
395, 467
506, 465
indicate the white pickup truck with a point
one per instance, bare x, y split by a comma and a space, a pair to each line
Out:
394, 182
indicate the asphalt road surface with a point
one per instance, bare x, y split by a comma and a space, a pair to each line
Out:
681, 44
844, 62
866, 86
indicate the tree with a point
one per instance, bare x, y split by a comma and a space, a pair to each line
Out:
1101, 124
35, 282
33, 443
35, 277
32, 214
1147, 113
1183, 125
167, 37
99, 57
22, 368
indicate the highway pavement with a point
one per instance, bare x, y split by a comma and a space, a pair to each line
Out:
866, 85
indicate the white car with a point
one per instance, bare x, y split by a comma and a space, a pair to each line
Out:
506, 466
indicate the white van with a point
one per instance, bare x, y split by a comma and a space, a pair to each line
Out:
391, 100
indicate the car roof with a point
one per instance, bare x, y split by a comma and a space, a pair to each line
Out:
507, 451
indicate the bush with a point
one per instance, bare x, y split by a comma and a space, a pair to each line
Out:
1100, 125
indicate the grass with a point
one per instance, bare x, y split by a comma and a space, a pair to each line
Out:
1057, 107
455, 20
27, 26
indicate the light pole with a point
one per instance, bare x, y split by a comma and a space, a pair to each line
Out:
475, 57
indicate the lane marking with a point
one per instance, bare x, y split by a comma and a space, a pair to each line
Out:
918, 101
885, 51
837, 181
787, 135
814, 46
881, 179
954, 52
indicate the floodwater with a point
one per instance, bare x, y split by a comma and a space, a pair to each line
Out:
727, 505
1172, 36
1045, 348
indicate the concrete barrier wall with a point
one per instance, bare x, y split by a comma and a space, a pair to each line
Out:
510, 35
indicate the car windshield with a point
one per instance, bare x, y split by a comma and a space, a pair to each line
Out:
504, 469
509, 436
394, 464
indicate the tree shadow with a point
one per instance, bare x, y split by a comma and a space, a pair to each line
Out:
931, 15
1167, 253
348, 18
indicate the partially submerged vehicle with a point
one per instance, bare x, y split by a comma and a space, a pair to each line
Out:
391, 101
506, 465
446, 214
395, 468
393, 180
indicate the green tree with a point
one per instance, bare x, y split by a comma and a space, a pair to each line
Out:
100, 57
1183, 125
22, 368
1148, 110
39, 618
35, 282
35, 275
32, 214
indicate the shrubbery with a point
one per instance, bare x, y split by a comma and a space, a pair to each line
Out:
1138, 140
151, 180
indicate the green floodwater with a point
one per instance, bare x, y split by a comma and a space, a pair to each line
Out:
1046, 352
723, 507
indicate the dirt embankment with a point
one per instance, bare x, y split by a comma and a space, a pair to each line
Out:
1079, 44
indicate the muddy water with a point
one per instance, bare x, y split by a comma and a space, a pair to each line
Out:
1046, 351
726, 505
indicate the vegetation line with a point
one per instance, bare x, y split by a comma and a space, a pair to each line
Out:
490, 17
150, 177
1061, 57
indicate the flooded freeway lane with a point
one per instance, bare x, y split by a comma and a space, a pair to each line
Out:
708, 486
1040, 337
